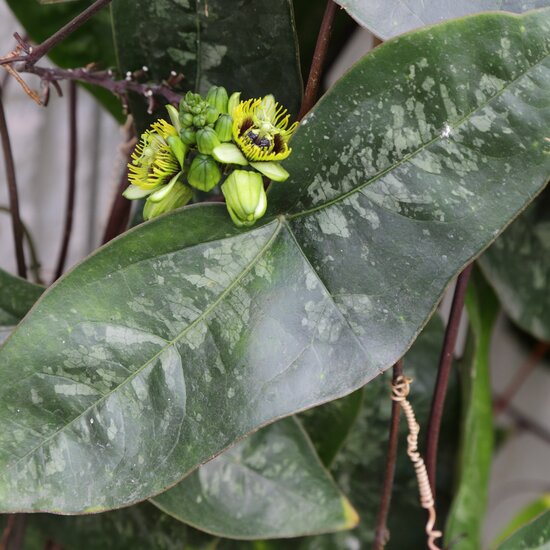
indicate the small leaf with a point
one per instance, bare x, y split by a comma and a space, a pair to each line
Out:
271, 485
518, 267
387, 18
465, 521
533, 536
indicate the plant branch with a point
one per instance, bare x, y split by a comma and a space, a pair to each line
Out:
71, 178
12, 192
443, 373
34, 53
319, 56
381, 532
35, 265
121, 207
521, 376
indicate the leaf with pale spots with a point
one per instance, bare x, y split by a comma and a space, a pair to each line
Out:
272, 484
186, 334
241, 45
518, 267
388, 18
533, 536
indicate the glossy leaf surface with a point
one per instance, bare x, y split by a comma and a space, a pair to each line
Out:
242, 45
192, 333
388, 18
465, 521
533, 536
272, 484
518, 267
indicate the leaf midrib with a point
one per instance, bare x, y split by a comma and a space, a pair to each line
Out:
200, 318
412, 154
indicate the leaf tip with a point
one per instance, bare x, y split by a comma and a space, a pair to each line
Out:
350, 515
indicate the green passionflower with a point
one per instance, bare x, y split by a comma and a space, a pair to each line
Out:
261, 132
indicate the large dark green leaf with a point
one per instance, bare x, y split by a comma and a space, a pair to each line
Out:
387, 18
330, 424
518, 266
359, 466
240, 44
92, 43
465, 520
270, 485
17, 296
193, 333
534, 536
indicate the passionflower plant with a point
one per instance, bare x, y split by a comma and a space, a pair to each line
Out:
261, 132
173, 162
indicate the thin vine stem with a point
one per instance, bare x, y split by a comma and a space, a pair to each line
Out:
12, 192
319, 57
34, 53
71, 178
381, 531
443, 373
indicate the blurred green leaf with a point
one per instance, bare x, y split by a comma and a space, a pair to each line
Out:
533, 536
271, 485
465, 521
518, 267
91, 43
526, 515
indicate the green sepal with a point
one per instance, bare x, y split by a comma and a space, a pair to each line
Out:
178, 148
133, 192
162, 192
174, 115
272, 170
204, 173
179, 196
234, 100
207, 140
229, 153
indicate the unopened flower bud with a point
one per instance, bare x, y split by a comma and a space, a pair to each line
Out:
212, 115
245, 197
186, 120
170, 197
217, 97
188, 136
199, 121
224, 128
207, 139
204, 173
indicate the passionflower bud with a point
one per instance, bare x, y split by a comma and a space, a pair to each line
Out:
207, 139
218, 98
224, 128
245, 197
204, 173
261, 133
169, 197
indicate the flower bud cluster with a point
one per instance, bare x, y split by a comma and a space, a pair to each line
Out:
208, 138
